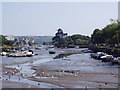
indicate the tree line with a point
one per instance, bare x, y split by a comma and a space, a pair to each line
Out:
4, 41
61, 39
108, 35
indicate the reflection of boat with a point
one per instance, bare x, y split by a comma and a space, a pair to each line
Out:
87, 51
51, 52
119, 60
116, 60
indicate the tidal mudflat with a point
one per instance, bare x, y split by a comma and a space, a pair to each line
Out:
72, 71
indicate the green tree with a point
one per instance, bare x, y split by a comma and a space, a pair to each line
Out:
109, 34
58, 39
97, 36
80, 39
4, 41
69, 41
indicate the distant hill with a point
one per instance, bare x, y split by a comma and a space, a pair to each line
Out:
37, 39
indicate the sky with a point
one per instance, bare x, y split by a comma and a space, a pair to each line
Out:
44, 18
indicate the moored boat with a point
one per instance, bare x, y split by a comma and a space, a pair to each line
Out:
22, 54
3, 53
98, 55
51, 52
107, 58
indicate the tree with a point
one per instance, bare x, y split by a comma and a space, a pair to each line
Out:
58, 39
4, 41
61, 39
97, 36
69, 41
80, 39
108, 35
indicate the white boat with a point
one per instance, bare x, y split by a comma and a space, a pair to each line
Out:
107, 58
3, 53
22, 54
98, 55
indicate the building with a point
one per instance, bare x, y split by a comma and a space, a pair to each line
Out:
10, 37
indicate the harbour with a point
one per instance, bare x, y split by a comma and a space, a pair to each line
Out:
60, 45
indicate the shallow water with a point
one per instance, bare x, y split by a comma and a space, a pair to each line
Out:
26, 70
25, 80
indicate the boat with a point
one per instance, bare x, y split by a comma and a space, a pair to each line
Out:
17, 54
98, 55
51, 52
22, 54
107, 58
76, 47
3, 53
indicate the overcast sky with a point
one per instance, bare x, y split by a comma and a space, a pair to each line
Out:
37, 18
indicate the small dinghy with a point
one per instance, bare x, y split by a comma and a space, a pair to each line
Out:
51, 52
3, 53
